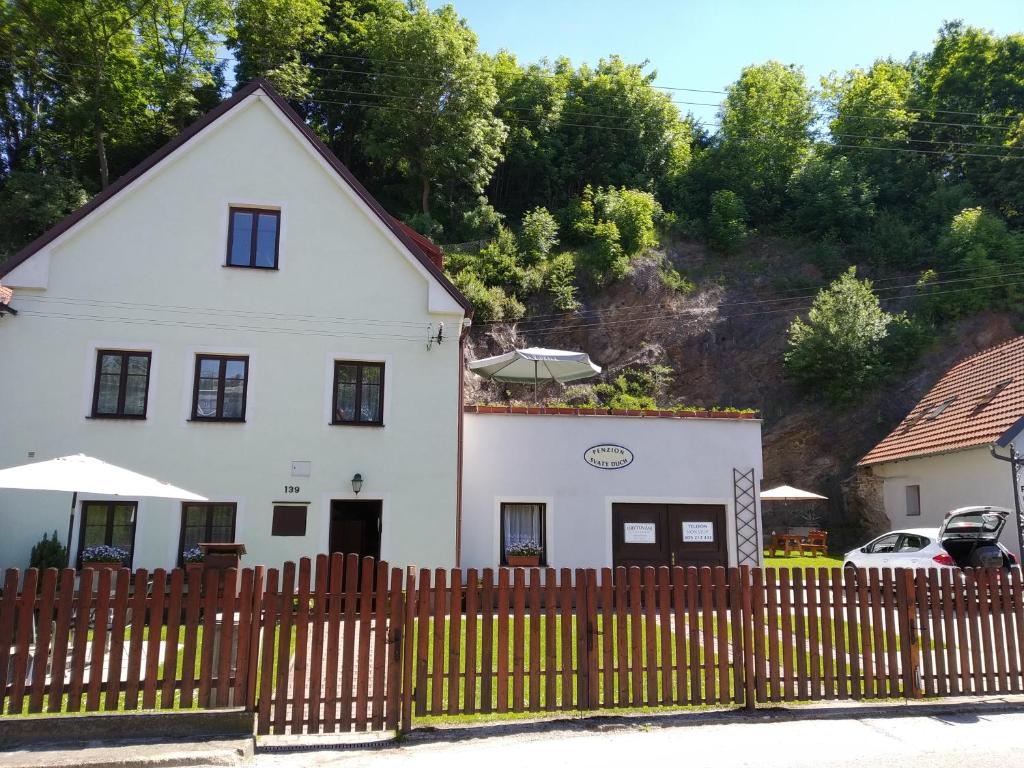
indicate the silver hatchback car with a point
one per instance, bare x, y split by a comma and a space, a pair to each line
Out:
967, 538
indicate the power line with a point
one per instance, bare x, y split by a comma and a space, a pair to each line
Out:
713, 311
554, 325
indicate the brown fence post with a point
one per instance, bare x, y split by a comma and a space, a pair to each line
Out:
910, 649
747, 617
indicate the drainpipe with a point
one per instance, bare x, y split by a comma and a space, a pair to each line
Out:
1016, 462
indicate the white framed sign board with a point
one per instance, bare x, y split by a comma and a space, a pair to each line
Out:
639, 533
698, 531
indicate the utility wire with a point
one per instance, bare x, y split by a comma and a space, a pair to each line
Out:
802, 299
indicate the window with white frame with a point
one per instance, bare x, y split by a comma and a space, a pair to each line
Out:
913, 501
522, 525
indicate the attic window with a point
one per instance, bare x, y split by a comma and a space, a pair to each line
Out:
991, 395
930, 414
935, 412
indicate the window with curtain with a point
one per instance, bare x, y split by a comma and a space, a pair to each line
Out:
220, 388
122, 384
522, 524
206, 523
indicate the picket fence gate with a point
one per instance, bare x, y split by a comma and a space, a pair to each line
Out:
341, 644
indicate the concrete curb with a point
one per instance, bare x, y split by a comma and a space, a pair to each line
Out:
598, 722
137, 754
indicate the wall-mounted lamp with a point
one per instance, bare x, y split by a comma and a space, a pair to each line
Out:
357, 483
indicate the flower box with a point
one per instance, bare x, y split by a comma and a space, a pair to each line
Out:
523, 561
101, 566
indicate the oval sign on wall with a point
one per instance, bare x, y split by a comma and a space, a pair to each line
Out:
608, 456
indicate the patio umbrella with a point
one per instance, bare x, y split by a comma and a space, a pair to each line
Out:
521, 366
789, 493
83, 474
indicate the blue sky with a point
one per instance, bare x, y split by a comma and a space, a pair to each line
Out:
705, 45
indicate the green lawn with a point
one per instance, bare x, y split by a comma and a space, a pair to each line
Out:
801, 561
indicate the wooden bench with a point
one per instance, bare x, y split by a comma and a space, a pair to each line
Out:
816, 542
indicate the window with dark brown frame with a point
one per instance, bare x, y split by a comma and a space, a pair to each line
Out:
358, 393
220, 388
206, 522
522, 524
289, 520
121, 387
110, 523
254, 236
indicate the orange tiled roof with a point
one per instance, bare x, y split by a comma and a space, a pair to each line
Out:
975, 403
6, 294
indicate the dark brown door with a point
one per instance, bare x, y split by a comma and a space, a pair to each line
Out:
355, 527
638, 535
668, 534
696, 535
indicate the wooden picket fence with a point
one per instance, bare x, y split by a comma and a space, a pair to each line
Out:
340, 644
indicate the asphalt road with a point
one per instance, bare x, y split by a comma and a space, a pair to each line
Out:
960, 741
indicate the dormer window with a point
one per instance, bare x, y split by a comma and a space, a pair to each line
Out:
253, 238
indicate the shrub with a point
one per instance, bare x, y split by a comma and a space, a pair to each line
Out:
560, 281
538, 235
838, 351
634, 213
48, 553
673, 280
635, 388
488, 303
481, 221
604, 257
727, 229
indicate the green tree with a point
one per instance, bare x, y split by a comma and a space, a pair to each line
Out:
727, 228
830, 199
766, 125
635, 214
435, 125
32, 203
270, 39
838, 351
979, 249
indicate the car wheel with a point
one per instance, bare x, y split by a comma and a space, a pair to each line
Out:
849, 566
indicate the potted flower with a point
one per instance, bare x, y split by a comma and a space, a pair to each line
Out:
104, 557
192, 559
525, 554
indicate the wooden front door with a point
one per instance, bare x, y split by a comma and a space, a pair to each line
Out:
697, 535
668, 534
355, 527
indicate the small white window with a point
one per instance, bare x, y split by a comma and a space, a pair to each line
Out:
913, 501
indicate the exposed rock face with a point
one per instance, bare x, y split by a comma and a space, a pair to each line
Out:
726, 346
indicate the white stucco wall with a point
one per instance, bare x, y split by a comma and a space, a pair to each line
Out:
960, 479
146, 271
539, 458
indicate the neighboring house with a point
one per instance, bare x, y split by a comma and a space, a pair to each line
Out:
938, 458
595, 488
239, 317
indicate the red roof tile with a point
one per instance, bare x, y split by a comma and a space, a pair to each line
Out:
6, 294
975, 403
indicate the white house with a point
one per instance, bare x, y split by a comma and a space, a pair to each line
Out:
239, 317
940, 456
598, 488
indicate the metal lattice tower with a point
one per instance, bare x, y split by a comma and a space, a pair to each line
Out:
748, 537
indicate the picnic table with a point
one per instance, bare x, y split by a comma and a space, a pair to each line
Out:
788, 541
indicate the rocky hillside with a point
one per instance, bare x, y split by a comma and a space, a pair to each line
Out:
725, 344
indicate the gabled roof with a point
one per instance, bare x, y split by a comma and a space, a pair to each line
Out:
980, 401
402, 232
